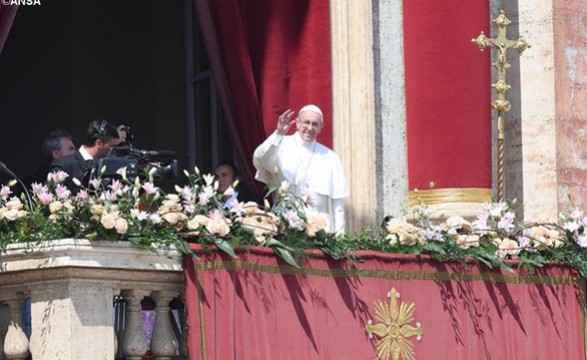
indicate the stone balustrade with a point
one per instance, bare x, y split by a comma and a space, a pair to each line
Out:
71, 285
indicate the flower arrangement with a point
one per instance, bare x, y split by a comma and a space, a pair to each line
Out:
138, 211
493, 237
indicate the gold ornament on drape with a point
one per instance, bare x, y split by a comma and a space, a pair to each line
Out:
394, 330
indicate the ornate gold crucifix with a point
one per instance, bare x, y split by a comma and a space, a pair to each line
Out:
501, 43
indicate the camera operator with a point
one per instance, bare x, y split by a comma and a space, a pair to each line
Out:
125, 145
138, 162
101, 136
126, 135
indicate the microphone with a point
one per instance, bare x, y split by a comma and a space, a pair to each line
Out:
26, 191
143, 153
162, 153
122, 149
152, 153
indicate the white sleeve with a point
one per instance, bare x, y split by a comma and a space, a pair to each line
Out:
265, 157
338, 215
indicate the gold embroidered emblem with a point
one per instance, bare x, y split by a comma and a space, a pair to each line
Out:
394, 330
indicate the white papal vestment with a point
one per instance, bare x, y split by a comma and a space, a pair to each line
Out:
312, 169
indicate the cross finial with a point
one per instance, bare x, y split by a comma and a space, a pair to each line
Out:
501, 43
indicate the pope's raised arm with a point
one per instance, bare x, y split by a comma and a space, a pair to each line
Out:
265, 157
285, 121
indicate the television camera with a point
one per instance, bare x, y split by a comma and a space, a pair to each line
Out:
138, 163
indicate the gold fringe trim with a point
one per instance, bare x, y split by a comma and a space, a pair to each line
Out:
204, 266
449, 195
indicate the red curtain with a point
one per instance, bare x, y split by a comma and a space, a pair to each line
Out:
7, 14
267, 56
448, 94
255, 307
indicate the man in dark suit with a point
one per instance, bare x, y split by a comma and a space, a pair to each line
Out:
100, 138
226, 174
57, 144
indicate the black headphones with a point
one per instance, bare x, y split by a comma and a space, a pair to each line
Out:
102, 130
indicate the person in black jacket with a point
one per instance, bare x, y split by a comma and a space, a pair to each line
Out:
58, 143
100, 138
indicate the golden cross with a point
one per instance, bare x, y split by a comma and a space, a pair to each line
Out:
501, 43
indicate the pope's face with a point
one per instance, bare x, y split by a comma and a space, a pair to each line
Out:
309, 125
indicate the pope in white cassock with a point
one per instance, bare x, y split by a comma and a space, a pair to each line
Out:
313, 170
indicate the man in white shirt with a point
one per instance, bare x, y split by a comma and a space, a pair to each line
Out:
314, 171
100, 138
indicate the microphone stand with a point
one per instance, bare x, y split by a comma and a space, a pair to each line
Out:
26, 191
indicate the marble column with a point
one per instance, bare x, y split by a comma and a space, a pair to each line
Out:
354, 106
134, 343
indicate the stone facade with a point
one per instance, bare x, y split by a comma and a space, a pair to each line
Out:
71, 284
545, 156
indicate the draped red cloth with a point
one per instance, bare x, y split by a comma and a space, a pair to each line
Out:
7, 14
255, 307
267, 56
448, 94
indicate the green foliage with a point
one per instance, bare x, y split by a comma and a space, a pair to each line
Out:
139, 212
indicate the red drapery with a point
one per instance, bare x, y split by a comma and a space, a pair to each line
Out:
255, 307
267, 56
448, 94
7, 14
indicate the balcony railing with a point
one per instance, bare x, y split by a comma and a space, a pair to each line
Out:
71, 285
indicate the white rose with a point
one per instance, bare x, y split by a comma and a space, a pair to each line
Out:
108, 220
466, 241
508, 247
218, 226
55, 206
97, 209
173, 218
315, 223
121, 226
11, 214
14, 203
196, 221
